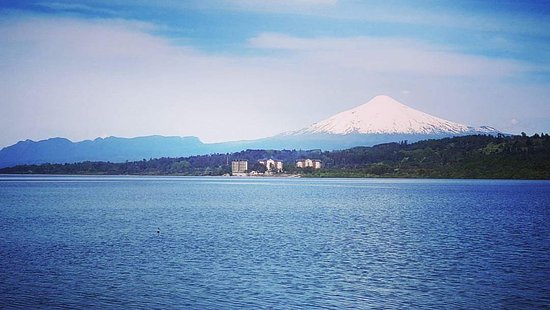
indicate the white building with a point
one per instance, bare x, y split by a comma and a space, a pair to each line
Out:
239, 167
306, 163
272, 165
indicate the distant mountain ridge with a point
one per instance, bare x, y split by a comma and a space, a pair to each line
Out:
380, 120
61, 150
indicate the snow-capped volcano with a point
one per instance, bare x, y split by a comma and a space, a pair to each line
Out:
385, 115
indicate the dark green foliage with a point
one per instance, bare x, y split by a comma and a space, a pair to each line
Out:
507, 157
256, 166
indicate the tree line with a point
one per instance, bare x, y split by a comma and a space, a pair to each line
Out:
477, 156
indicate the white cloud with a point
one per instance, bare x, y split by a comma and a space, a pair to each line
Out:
80, 79
382, 55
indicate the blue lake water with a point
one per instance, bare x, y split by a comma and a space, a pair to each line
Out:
92, 242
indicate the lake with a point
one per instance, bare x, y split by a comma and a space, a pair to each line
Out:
94, 242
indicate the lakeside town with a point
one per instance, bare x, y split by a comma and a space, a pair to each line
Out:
270, 167
474, 157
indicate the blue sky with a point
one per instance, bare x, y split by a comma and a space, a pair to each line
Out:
243, 69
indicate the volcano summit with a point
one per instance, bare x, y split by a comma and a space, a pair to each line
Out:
385, 115
381, 120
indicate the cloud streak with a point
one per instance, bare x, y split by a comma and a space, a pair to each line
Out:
395, 55
76, 7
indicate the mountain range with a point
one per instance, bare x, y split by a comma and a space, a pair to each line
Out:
380, 120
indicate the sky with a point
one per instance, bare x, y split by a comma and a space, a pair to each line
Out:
226, 70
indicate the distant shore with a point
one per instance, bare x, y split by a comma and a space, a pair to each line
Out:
297, 176
278, 175
468, 157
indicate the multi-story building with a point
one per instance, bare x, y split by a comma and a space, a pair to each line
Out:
239, 167
306, 163
272, 165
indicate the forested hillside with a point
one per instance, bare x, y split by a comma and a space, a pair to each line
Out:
479, 156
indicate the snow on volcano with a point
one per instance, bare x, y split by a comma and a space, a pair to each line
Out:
385, 115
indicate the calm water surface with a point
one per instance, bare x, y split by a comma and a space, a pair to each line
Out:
92, 242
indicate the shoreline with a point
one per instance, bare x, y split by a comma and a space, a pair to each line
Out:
288, 176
